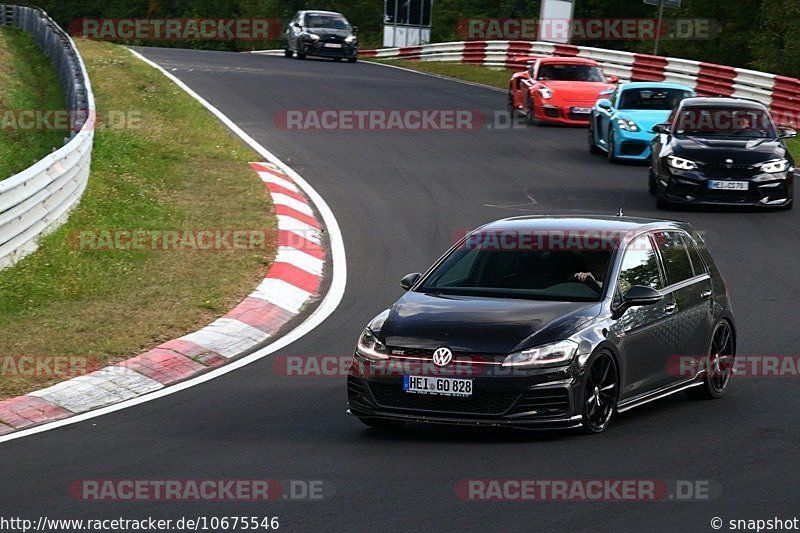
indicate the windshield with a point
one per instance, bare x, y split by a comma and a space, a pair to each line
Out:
328, 22
565, 275
652, 99
743, 123
566, 72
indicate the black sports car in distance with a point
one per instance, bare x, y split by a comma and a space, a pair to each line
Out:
722, 151
549, 322
323, 34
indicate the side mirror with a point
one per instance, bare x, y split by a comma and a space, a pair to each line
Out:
409, 280
786, 133
354, 29
612, 79
604, 103
641, 295
638, 296
661, 128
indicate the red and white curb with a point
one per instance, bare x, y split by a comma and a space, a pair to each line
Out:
291, 283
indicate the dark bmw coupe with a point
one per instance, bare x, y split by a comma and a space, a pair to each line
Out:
722, 151
549, 322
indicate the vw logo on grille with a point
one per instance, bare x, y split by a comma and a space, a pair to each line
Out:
442, 356
729, 162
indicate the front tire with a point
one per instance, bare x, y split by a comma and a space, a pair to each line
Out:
612, 147
287, 52
510, 104
381, 423
651, 183
600, 394
718, 365
593, 149
530, 120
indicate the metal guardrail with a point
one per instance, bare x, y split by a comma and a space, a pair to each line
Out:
781, 94
37, 200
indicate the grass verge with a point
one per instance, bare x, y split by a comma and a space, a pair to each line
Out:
794, 148
174, 167
27, 82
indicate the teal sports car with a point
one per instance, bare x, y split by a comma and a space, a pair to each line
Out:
622, 120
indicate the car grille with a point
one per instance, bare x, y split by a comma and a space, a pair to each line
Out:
724, 171
545, 402
457, 356
578, 116
631, 148
392, 396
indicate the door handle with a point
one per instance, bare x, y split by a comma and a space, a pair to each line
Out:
706, 294
669, 308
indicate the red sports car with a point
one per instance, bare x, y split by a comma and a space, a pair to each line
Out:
560, 90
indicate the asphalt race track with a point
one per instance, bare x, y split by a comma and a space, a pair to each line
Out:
400, 198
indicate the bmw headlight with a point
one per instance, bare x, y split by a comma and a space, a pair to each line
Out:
627, 124
681, 163
370, 347
311, 36
776, 165
350, 39
555, 354
545, 92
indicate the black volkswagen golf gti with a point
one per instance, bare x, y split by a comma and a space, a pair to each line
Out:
549, 322
722, 151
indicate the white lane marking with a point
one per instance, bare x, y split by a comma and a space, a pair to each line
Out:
517, 207
328, 305
439, 76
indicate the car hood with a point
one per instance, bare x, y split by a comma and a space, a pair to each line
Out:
644, 118
481, 324
577, 91
716, 151
328, 32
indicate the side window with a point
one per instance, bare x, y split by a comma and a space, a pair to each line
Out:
675, 257
639, 267
698, 265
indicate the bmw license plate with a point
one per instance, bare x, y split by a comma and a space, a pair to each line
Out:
439, 386
581, 110
728, 185
333, 45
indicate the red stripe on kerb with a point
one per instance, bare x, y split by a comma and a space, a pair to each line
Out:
294, 213
295, 276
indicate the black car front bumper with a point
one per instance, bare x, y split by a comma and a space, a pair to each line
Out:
332, 49
531, 400
692, 187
